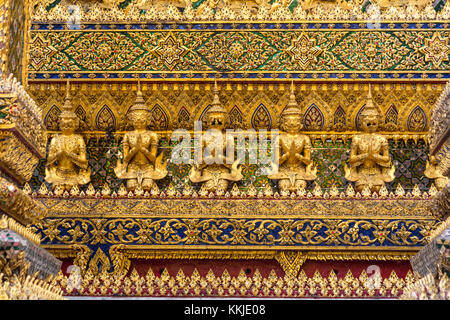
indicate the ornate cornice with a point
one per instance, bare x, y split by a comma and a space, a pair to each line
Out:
114, 11
232, 224
19, 205
326, 51
9, 223
20, 115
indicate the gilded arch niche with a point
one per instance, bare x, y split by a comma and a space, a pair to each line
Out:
391, 118
160, 120
317, 114
417, 120
81, 114
313, 119
261, 118
106, 114
51, 119
183, 119
339, 122
105, 119
236, 118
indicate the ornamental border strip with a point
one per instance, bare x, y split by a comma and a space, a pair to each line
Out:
197, 207
164, 77
289, 72
284, 25
232, 233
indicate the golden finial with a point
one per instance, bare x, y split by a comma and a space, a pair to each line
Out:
67, 107
139, 87
370, 108
68, 89
292, 106
216, 106
139, 103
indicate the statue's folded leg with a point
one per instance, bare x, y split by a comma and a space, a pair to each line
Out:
132, 184
284, 184
300, 184
147, 184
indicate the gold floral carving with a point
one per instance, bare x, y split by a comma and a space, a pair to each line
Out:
304, 51
242, 205
41, 52
170, 50
192, 99
237, 10
291, 261
436, 50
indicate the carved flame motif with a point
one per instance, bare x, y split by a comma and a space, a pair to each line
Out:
261, 118
417, 120
105, 119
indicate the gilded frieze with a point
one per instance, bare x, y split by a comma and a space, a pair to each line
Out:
330, 109
306, 204
75, 11
237, 233
247, 52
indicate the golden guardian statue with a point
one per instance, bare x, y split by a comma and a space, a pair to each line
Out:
295, 166
432, 171
215, 170
370, 162
141, 165
67, 165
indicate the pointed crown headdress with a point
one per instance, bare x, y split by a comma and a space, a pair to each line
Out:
370, 109
139, 103
67, 109
292, 106
216, 106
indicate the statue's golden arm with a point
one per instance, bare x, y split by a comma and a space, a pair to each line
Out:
286, 152
228, 159
306, 158
356, 160
383, 159
128, 154
151, 155
79, 159
53, 154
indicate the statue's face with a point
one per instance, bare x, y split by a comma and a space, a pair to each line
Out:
216, 120
292, 123
139, 119
370, 123
68, 124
